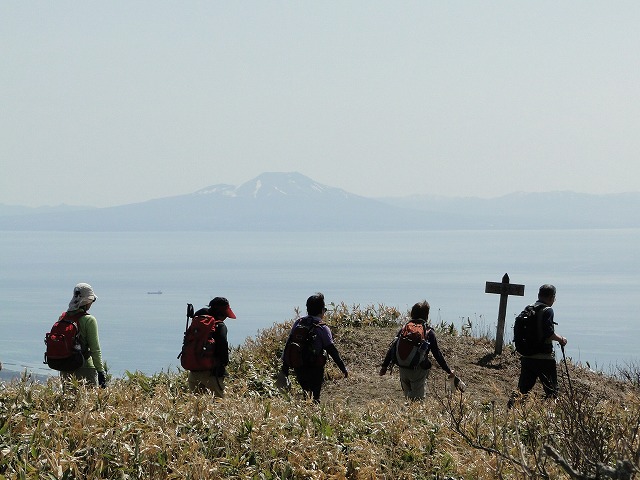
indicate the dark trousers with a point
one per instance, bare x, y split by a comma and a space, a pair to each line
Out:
532, 369
310, 379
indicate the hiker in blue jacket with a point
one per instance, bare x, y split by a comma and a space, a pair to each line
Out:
311, 377
413, 379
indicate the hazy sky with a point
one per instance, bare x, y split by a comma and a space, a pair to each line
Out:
107, 103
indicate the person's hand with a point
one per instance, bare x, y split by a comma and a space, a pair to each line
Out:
383, 371
102, 380
346, 373
563, 341
452, 374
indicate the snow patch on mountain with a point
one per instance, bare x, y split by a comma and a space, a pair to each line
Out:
221, 189
281, 184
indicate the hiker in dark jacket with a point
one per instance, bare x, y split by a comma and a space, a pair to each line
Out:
213, 381
542, 365
413, 380
311, 377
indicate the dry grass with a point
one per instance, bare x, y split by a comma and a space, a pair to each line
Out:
153, 427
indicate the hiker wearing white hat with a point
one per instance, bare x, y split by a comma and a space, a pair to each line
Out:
92, 370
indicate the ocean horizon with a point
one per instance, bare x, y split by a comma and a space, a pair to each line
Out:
267, 276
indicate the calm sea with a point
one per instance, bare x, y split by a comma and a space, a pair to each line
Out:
266, 276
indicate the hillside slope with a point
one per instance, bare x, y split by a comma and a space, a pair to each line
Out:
153, 427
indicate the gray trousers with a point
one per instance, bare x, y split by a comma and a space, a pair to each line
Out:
412, 381
206, 381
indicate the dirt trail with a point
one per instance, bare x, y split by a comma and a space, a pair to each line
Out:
488, 377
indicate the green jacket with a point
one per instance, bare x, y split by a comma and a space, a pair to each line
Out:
88, 327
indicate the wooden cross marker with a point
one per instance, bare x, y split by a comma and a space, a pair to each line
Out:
504, 289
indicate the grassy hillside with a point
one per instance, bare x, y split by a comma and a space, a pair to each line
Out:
153, 427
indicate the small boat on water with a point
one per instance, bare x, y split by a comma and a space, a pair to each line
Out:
159, 292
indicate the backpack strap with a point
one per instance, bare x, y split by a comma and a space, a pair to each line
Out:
308, 321
65, 317
75, 321
427, 329
540, 309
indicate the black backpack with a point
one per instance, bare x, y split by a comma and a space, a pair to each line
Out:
528, 336
299, 350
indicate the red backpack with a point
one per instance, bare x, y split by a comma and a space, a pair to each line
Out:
199, 344
412, 345
63, 350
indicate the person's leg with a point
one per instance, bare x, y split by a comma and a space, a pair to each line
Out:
194, 382
415, 380
310, 380
66, 379
303, 379
418, 383
206, 381
549, 378
405, 381
317, 379
89, 376
528, 375
216, 385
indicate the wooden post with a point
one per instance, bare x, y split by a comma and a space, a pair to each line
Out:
505, 289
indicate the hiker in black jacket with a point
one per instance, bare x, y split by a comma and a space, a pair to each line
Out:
414, 378
213, 381
542, 364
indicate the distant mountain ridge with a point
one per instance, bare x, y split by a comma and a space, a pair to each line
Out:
269, 202
22, 210
537, 210
290, 201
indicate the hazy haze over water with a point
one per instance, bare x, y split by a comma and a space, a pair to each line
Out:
267, 275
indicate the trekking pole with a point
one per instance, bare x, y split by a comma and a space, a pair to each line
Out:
564, 358
189, 315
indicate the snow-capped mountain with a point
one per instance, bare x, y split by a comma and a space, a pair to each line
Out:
274, 184
271, 201
293, 202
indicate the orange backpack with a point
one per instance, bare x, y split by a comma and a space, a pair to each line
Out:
412, 345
